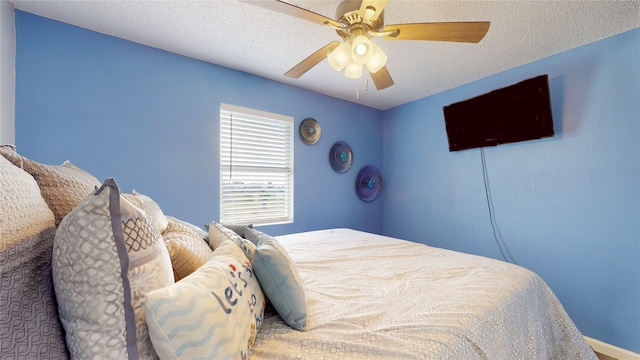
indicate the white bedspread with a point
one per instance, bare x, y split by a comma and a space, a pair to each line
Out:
375, 297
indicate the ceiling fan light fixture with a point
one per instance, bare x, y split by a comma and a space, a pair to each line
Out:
361, 49
377, 60
358, 22
340, 56
353, 70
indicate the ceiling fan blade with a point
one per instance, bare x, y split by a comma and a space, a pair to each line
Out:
376, 5
292, 10
311, 61
469, 32
382, 78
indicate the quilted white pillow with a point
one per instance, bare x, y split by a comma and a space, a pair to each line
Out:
200, 231
63, 187
106, 257
187, 249
151, 208
214, 313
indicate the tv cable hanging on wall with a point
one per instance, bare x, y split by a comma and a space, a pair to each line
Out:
497, 235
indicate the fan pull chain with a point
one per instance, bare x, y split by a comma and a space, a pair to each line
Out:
366, 88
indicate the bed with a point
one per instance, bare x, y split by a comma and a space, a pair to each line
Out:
190, 293
376, 297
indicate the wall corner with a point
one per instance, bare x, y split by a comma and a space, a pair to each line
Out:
7, 72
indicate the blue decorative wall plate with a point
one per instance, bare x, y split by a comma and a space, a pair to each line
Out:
340, 157
368, 183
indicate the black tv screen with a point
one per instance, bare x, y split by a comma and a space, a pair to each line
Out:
511, 114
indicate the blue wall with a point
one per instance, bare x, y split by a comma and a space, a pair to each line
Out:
567, 207
150, 119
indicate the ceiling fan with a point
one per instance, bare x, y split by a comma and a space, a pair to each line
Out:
358, 22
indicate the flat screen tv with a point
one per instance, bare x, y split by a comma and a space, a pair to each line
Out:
511, 114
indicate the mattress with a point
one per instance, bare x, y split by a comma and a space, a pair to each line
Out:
376, 297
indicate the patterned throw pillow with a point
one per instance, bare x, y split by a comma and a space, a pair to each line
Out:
29, 323
106, 257
187, 248
214, 313
278, 276
63, 187
218, 234
151, 208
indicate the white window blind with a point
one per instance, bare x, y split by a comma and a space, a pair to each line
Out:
256, 166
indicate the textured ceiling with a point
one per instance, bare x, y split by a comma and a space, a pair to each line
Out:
257, 41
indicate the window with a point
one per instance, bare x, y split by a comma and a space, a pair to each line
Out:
256, 166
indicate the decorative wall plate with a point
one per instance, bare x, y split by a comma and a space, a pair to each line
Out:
340, 157
309, 130
368, 183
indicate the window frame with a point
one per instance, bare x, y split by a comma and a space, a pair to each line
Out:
266, 180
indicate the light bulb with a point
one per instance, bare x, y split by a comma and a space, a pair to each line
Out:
361, 49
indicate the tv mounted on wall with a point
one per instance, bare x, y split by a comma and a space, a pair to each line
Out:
511, 114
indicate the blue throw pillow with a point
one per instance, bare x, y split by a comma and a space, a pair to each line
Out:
279, 279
